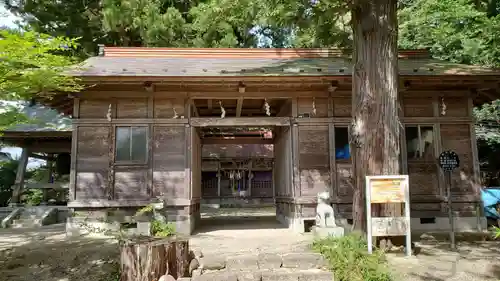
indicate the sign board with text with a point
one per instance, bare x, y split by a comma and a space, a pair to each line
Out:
387, 190
384, 190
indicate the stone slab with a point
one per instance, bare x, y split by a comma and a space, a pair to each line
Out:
242, 262
269, 261
212, 263
324, 232
280, 275
285, 274
303, 260
316, 275
249, 275
221, 275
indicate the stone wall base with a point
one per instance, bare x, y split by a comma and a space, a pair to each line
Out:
462, 224
299, 217
105, 221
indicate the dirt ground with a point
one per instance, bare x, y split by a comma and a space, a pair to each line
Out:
45, 254
474, 260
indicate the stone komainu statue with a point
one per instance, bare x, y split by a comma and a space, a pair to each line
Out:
325, 216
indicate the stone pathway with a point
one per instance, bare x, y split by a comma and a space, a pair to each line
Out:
250, 245
245, 232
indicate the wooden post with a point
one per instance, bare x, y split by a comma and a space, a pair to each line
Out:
50, 168
218, 180
19, 183
250, 176
148, 258
334, 190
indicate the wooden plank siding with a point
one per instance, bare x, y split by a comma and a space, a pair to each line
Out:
304, 147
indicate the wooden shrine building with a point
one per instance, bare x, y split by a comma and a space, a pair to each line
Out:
259, 126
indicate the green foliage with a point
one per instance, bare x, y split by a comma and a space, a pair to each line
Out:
7, 179
32, 197
488, 122
31, 64
454, 30
146, 210
158, 227
11, 114
162, 229
73, 19
349, 259
144, 22
496, 231
8, 171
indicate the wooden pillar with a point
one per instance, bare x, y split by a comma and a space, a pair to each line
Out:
333, 168
19, 183
50, 170
250, 176
218, 180
296, 192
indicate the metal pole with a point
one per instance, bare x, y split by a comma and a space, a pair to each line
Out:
450, 212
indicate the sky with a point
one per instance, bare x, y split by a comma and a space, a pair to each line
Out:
6, 18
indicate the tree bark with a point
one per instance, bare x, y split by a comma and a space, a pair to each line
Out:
147, 259
375, 109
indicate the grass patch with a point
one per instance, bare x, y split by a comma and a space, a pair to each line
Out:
349, 259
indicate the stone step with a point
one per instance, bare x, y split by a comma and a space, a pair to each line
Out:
37, 210
281, 274
264, 261
300, 266
28, 216
25, 223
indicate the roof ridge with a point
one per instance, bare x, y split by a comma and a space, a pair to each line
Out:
267, 53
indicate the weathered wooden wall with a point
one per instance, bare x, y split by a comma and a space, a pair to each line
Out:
314, 160
99, 177
447, 113
304, 152
169, 162
92, 163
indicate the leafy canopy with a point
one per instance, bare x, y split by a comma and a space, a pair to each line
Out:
32, 64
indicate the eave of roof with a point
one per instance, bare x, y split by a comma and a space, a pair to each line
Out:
240, 63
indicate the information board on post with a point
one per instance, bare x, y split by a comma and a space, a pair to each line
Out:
383, 190
449, 161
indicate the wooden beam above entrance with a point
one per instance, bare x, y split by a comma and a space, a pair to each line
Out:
237, 140
240, 122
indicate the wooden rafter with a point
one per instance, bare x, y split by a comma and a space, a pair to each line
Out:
239, 106
195, 109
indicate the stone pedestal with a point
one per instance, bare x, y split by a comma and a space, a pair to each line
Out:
323, 232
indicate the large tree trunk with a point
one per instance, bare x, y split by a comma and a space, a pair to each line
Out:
376, 127
148, 258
